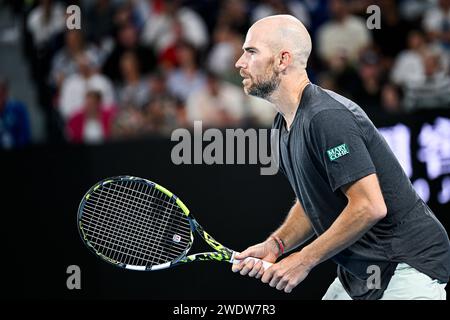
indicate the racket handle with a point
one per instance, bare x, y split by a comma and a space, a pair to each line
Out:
266, 264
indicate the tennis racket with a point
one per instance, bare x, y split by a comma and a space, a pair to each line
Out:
136, 224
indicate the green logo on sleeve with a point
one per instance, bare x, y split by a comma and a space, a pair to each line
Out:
337, 152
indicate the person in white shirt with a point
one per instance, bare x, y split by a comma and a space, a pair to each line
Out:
74, 88
344, 36
218, 104
45, 21
408, 65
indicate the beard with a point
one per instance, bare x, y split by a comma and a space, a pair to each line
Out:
263, 88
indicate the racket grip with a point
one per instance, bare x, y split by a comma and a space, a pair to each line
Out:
266, 264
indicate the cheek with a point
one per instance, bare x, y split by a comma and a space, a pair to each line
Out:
256, 69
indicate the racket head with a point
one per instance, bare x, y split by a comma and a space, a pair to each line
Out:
134, 223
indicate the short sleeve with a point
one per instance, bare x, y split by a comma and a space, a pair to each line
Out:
338, 143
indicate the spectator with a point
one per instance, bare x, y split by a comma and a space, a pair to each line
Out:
172, 23
14, 121
233, 14
92, 124
160, 116
45, 22
99, 21
434, 90
225, 51
368, 91
218, 104
133, 92
389, 38
127, 41
391, 99
343, 36
64, 63
188, 77
408, 65
44, 27
436, 23
133, 122
129, 123
75, 87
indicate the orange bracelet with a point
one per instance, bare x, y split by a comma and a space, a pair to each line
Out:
279, 243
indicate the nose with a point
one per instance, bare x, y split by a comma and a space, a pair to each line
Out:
240, 63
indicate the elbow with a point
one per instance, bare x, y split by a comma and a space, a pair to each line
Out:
377, 211
373, 212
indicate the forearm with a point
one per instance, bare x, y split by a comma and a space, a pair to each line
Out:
296, 228
349, 227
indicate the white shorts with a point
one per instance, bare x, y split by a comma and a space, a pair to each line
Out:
407, 283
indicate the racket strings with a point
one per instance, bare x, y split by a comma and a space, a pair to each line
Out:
106, 233
153, 205
158, 251
134, 223
123, 206
110, 232
120, 216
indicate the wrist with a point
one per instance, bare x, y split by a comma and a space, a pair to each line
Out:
279, 244
309, 257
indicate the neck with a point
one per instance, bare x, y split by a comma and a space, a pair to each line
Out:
288, 96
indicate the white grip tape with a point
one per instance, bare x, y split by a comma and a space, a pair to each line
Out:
266, 264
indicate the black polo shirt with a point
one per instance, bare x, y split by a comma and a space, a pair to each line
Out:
332, 143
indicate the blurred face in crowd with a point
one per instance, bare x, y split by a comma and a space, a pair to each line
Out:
157, 85
416, 40
338, 9
84, 67
128, 36
390, 98
129, 66
257, 66
186, 55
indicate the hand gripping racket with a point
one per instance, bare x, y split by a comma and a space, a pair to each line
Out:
136, 224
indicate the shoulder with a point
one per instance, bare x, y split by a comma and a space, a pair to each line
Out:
326, 108
319, 100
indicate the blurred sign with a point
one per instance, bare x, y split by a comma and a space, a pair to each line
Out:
432, 142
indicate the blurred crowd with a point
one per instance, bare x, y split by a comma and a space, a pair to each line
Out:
146, 67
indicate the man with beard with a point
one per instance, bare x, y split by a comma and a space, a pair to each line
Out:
352, 193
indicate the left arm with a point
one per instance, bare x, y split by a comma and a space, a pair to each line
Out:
364, 209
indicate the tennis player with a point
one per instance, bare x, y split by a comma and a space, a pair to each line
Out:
352, 193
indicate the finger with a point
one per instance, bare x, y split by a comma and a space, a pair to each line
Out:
247, 267
236, 267
260, 273
244, 254
282, 284
267, 276
291, 285
255, 269
275, 279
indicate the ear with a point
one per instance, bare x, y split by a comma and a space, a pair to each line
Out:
284, 60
